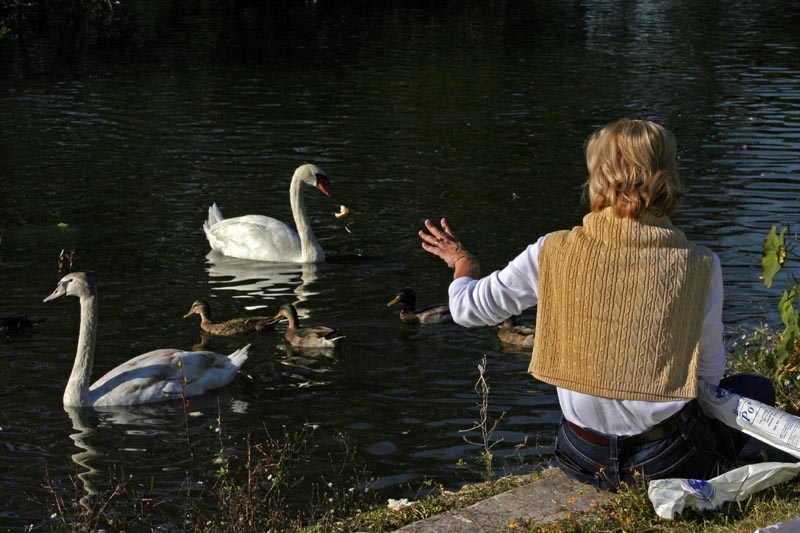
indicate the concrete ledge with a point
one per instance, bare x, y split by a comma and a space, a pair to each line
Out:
544, 500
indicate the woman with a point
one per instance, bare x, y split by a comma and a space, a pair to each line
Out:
629, 318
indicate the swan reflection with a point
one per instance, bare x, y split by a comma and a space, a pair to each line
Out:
261, 279
156, 418
138, 421
85, 459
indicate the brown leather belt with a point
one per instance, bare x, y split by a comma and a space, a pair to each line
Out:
661, 431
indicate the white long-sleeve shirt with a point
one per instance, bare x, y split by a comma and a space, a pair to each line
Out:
513, 289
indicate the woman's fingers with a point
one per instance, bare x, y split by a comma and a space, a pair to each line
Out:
446, 228
433, 249
430, 248
427, 238
440, 234
435, 232
430, 243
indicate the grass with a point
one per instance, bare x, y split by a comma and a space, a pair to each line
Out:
391, 517
754, 353
631, 511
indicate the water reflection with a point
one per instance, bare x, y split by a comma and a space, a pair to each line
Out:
304, 370
84, 431
203, 344
137, 429
152, 418
262, 279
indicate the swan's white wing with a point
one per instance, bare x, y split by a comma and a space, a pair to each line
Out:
255, 237
161, 375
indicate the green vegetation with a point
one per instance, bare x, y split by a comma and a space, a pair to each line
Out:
786, 350
387, 518
776, 353
248, 489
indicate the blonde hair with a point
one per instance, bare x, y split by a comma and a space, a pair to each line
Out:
633, 169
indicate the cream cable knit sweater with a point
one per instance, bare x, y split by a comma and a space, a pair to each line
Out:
621, 307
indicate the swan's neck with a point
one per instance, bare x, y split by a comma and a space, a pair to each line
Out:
309, 247
77, 391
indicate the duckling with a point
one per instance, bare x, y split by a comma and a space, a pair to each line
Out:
307, 337
233, 326
510, 333
12, 324
434, 314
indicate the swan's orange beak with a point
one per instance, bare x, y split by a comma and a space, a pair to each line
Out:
324, 188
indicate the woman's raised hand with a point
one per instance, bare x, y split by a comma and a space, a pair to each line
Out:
441, 242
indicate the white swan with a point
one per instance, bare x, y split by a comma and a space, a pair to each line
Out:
155, 376
263, 238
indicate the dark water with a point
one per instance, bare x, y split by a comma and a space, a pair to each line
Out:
476, 111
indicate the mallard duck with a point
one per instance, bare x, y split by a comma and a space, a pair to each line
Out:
307, 337
434, 314
511, 333
263, 238
12, 324
233, 326
155, 376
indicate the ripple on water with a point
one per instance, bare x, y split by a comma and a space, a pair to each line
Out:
383, 448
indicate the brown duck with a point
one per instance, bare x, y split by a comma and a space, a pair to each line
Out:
511, 333
307, 337
233, 326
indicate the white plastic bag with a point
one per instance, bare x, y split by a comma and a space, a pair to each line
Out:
767, 424
671, 496
789, 526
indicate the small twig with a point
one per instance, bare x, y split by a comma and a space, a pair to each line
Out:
483, 425
185, 403
57, 497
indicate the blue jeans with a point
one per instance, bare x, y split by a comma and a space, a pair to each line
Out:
695, 450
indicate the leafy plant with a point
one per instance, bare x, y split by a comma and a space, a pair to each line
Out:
773, 256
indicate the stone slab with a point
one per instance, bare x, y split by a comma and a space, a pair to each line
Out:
544, 500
